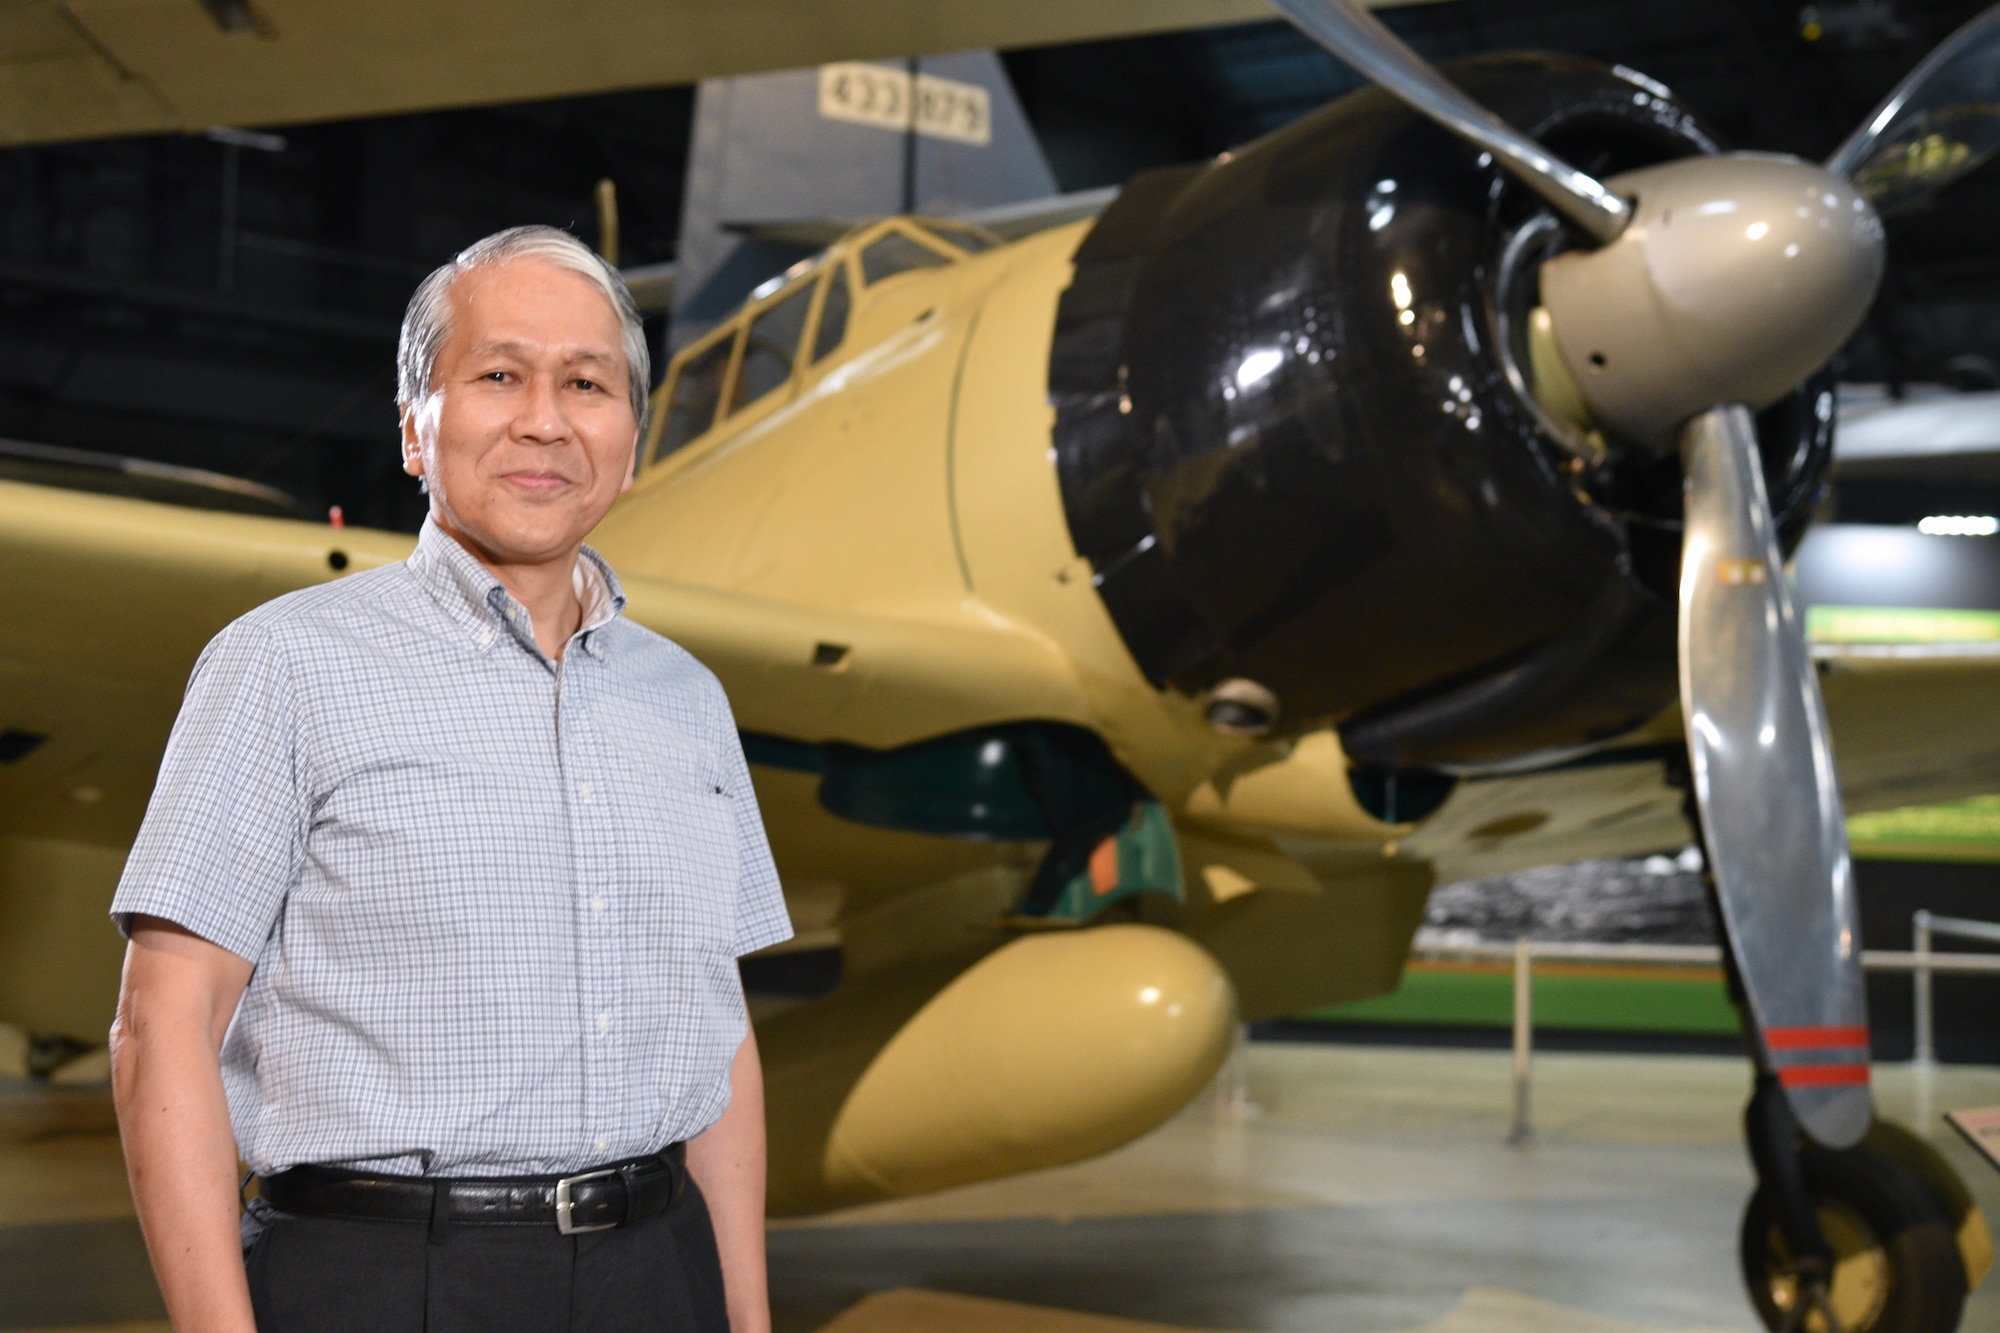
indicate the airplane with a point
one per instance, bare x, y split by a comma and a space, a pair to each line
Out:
102, 68
1130, 622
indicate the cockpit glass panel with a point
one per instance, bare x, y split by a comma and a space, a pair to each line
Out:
896, 253
964, 235
833, 314
696, 393
772, 347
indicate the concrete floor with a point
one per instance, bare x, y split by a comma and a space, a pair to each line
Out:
1336, 1189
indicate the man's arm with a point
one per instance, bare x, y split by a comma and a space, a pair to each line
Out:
727, 1161
174, 1006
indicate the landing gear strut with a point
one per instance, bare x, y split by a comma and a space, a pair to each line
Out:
1868, 1239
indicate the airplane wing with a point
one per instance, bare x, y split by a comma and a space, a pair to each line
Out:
109, 601
1913, 724
85, 708
1618, 803
92, 68
125, 593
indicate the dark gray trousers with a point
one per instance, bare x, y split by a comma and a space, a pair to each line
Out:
321, 1275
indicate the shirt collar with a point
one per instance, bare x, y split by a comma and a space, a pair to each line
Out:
597, 590
480, 604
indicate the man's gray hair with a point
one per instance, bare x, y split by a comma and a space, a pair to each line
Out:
427, 323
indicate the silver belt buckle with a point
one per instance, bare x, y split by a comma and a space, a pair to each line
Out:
564, 1203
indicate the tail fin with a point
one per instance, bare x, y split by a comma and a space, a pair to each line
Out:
782, 163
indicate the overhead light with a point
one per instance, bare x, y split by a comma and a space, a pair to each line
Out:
1959, 525
257, 139
1257, 366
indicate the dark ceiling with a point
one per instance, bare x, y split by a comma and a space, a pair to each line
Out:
134, 320
130, 323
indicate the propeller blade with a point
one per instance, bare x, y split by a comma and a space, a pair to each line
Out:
1941, 121
1354, 35
1764, 781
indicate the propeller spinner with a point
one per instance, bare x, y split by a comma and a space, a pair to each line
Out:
1707, 287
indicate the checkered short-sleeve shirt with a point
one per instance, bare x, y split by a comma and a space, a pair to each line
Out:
495, 902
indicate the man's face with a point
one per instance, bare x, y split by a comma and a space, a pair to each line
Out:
534, 435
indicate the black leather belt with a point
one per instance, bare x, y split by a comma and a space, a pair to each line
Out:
595, 1200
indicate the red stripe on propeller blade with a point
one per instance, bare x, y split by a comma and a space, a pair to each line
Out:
1806, 1039
1823, 1076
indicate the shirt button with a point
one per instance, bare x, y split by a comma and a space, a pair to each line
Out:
486, 638
597, 904
584, 791
603, 1145
604, 1022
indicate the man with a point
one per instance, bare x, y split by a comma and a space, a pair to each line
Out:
440, 894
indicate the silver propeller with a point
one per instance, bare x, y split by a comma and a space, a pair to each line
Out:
1354, 35
1735, 278
1941, 121
1757, 739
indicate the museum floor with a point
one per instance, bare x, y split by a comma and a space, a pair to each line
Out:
1360, 1190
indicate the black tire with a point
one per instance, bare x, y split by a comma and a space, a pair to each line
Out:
1894, 1229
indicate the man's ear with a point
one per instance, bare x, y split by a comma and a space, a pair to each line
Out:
632, 472
413, 448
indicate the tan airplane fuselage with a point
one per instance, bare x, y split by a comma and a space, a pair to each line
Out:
911, 478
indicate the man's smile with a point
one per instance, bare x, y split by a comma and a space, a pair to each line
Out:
536, 483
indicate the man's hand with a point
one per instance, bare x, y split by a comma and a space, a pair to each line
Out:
178, 995
727, 1161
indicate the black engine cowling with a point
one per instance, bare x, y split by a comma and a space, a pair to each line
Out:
1288, 445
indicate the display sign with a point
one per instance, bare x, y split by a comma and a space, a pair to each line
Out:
890, 99
1981, 1128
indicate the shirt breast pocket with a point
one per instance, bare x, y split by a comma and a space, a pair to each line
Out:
690, 844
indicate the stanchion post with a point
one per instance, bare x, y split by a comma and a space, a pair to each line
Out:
1524, 1036
1920, 981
